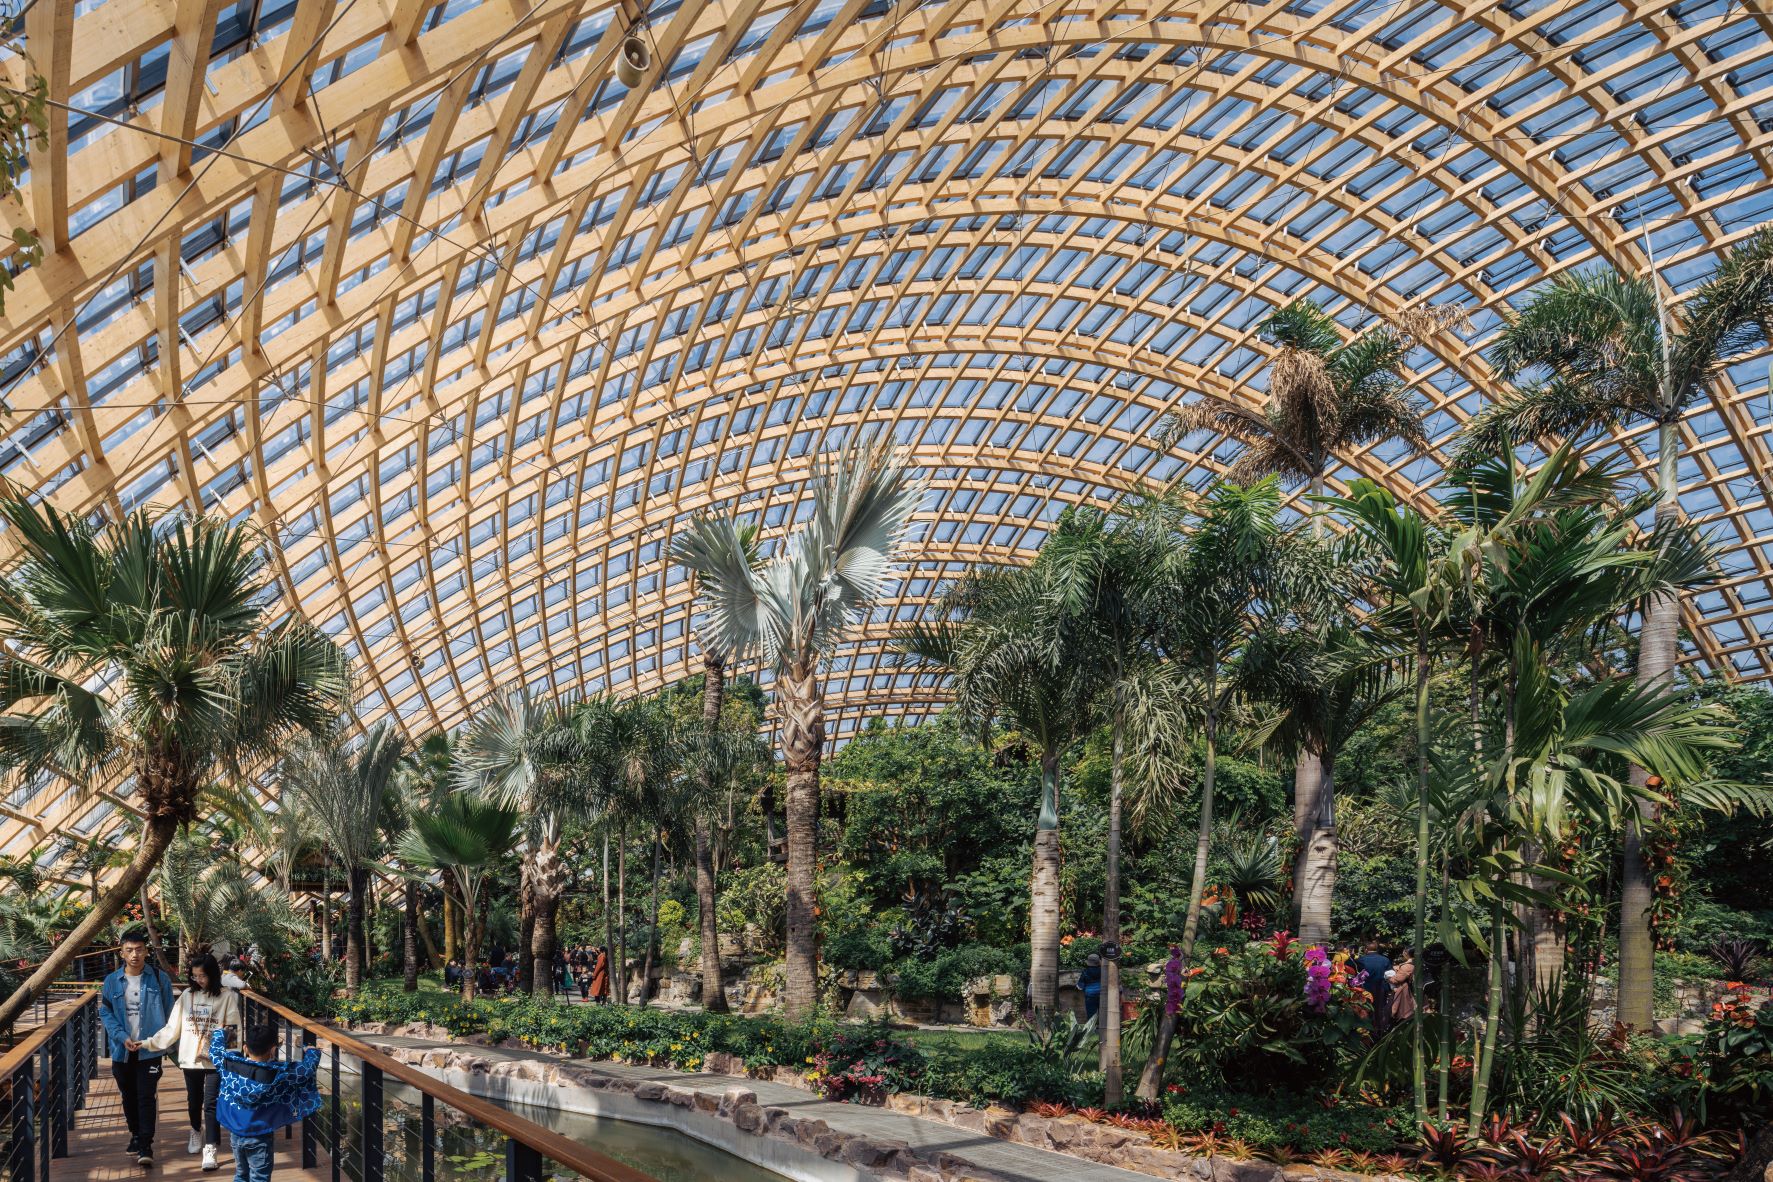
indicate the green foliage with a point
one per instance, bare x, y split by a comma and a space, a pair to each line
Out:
1727, 1073
753, 899
1286, 1120
944, 976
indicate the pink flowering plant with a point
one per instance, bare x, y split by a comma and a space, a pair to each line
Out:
1273, 1012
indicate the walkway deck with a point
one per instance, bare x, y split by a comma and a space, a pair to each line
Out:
95, 1143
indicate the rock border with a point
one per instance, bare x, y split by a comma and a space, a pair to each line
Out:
1104, 1144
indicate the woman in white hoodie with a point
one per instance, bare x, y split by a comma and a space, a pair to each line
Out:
205, 1005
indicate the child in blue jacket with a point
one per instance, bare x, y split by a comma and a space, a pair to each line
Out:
259, 1094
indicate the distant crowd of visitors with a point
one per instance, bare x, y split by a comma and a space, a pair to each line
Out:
251, 1094
583, 968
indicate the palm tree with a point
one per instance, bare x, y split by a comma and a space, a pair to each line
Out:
211, 897
1017, 653
342, 788
1326, 394
798, 607
714, 663
146, 649
1221, 579
524, 754
1603, 349
464, 836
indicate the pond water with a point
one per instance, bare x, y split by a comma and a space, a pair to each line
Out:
471, 1152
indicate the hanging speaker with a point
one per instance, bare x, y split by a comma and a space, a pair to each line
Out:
634, 60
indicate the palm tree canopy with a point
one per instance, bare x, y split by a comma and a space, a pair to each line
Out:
805, 599
1597, 348
148, 645
342, 787
1325, 393
463, 833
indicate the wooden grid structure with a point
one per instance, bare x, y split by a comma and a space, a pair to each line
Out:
467, 327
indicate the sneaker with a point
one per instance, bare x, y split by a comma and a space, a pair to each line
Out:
145, 1157
134, 1147
209, 1162
195, 1143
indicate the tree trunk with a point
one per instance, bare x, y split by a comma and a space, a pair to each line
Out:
526, 928
354, 876
157, 834
1658, 648
1418, 1062
1043, 894
432, 958
620, 975
409, 938
1110, 1005
1486, 1058
609, 916
1315, 879
1152, 1078
154, 944
547, 879
707, 900
801, 702
452, 929
470, 945
713, 699
652, 930
325, 916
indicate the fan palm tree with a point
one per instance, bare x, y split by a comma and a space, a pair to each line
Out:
464, 836
1604, 349
147, 650
797, 607
343, 788
524, 754
207, 891
715, 659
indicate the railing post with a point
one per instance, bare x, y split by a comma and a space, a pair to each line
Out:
522, 1163
288, 1048
371, 1141
63, 1096
428, 1138
45, 1109
338, 1137
24, 1125
309, 1159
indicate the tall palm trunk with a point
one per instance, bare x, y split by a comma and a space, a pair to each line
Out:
802, 703
609, 915
526, 927
652, 929
548, 875
409, 938
1152, 1078
1043, 893
1111, 1073
470, 947
157, 834
1314, 812
325, 913
1658, 642
1486, 1058
452, 929
713, 699
1418, 1063
619, 978
356, 877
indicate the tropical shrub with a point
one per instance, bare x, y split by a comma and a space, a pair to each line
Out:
1286, 1121
866, 1063
1269, 1013
1728, 1070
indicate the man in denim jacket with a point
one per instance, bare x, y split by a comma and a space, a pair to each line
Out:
133, 1003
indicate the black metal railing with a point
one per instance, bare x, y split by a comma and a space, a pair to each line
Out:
527, 1144
43, 1082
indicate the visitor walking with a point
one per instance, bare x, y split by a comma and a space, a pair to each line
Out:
133, 1000
582, 973
1403, 990
600, 977
1089, 983
260, 1094
1375, 964
206, 1005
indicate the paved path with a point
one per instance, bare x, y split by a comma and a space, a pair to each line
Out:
95, 1143
1004, 1158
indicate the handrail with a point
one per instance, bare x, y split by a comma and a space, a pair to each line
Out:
546, 1142
20, 1055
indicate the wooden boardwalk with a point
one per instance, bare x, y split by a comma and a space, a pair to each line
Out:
95, 1143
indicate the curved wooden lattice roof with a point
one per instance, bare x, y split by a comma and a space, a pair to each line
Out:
467, 326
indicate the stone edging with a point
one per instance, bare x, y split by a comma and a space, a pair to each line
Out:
1105, 1144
